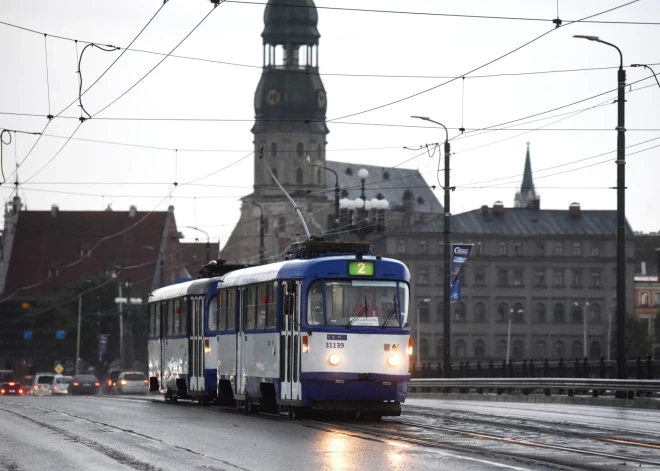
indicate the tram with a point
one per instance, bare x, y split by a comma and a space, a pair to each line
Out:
325, 329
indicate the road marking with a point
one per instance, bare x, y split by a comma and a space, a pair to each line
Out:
625, 442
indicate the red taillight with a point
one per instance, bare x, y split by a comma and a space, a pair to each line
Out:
109, 382
76, 384
146, 381
97, 384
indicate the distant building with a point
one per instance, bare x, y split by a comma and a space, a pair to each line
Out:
527, 197
647, 285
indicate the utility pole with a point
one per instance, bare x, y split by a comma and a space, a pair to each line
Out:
98, 334
78, 339
121, 328
129, 330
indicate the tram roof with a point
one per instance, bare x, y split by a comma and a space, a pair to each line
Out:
188, 288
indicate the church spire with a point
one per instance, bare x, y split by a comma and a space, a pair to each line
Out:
526, 197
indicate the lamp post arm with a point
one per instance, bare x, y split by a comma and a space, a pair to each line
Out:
655, 76
615, 47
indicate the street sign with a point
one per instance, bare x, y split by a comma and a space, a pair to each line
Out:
124, 301
60, 334
27, 335
59, 369
103, 344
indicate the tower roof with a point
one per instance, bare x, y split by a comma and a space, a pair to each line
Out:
290, 21
527, 188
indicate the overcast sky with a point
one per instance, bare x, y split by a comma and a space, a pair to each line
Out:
351, 43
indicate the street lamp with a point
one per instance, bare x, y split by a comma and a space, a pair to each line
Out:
446, 253
508, 335
361, 215
161, 262
262, 260
621, 218
309, 162
208, 244
583, 309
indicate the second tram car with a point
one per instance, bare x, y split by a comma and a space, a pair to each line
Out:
322, 331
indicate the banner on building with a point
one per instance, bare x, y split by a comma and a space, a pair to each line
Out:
459, 256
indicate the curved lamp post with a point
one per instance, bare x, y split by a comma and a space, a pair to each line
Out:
361, 214
208, 243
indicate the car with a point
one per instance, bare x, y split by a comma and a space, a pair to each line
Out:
84, 384
11, 388
60, 385
132, 382
42, 382
109, 384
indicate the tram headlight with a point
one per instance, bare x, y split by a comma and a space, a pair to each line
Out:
392, 360
334, 359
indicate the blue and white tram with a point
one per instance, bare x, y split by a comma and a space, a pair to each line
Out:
327, 333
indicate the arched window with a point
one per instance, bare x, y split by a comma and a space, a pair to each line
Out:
273, 149
440, 311
518, 313
479, 349
594, 350
578, 352
479, 312
558, 313
502, 312
518, 350
423, 311
500, 350
558, 349
459, 311
299, 176
594, 315
300, 149
281, 225
576, 313
539, 349
459, 349
540, 312
424, 349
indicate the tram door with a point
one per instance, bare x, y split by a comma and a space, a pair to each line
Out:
240, 341
196, 344
160, 315
290, 341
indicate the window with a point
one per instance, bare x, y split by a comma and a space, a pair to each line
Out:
518, 313
170, 317
231, 312
479, 277
251, 304
594, 350
517, 277
272, 305
558, 278
559, 249
644, 298
459, 349
595, 279
577, 349
502, 312
423, 276
518, 350
479, 349
595, 249
577, 249
577, 279
213, 314
152, 320
273, 149
318, 176
656, 299
300, 150
423, 311
539, 349
479, 248
479, 312
401, 246
576, 313
558, 313
439, 275
222, 310
315, 304
540, 278
502, 277
281, 225
540, 247
262, 306
517, 248
422, 247
500, 349
178, 327
502, 248
558, 349
540, 312
424, 348
299, 176
53, 271
274, 169
158, 308
594, 313
459, 311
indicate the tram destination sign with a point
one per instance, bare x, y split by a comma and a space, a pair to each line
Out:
361, 268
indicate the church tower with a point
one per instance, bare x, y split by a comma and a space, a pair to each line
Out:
527, 197
290, 102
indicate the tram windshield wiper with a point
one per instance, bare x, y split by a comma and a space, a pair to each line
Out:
394, 310
365, 309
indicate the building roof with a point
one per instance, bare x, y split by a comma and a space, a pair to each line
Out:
290, 22
384, 183
193, 256
529, 222
46, 241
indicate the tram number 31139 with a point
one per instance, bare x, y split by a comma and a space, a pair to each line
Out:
334, 345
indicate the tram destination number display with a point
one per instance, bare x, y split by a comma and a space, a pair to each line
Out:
361, 268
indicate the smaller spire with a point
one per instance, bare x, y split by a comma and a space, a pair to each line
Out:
527, 197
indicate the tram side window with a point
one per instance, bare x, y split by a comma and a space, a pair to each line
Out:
262, 306
152, 319
157, 319
170, 317
222, 310
251, 307
177, 317
272, 305
213, 314
231, 312
315, 304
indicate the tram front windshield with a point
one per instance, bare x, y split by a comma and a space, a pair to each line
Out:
348, 303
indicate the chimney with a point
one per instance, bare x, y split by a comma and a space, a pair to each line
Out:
132, 211
498, 207
484, 209
574, 209
54, 210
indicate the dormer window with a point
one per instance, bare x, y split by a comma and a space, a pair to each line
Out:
53, 271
